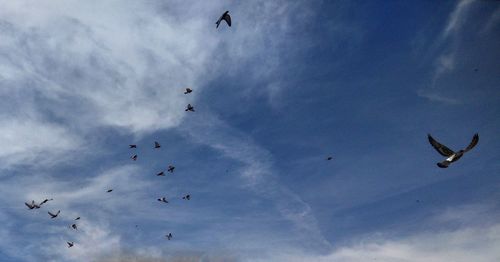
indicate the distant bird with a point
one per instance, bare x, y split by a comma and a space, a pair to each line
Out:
226, 17
132, 146
187, 197
163, 199
74, 227
109, 190
170, 168
452, 156
475, 70
189, 107
157, 145
78, 218
188, 90
32, 205
161, 174
329, 158
134, 157
70, 244
169, 236
45, 201
54, 215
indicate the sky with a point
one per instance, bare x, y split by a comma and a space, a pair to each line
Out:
287, 85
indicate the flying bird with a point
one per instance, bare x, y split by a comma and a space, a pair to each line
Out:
132, 146
31, 205
74, 227
329, 158
171, 168
187, 197
161, 174
169, 236
450, 154
226, 17
54, 215
78, 218
163, 199
189, 107
109, 190
134, 157
45, 201
188, 90
157, 145
70, 244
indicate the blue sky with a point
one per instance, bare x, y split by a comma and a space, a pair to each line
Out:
287, 85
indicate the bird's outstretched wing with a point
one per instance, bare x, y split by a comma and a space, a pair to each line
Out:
473, 143
227, 18
52, 215
442, 149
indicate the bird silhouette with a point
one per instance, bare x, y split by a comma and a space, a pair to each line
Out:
170, 168
45, 201
188, 90
109, 190
169, 236
157, 145
78, 218
134, 157
32, 205
163, 199
187, 197
132, 146
329, 158
451, 155
226, 17
74, 227
70, 244
161, 174
54, 215
189, 107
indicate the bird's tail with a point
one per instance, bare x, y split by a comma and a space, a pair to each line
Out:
443, 164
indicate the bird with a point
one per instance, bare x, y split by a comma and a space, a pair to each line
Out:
163, 199
170, 168
45, 201
157, 145
450, 154
31, 205
132, 146
169, 236
54, 215
109, 190
74, 227
329, 158
189, 107
188, 90
70, 244
187, 197
226, 17
134, 157
78, 218
161, 174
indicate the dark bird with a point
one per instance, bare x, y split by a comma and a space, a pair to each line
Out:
450, 154
45, 201
226, 17
134, 157
161, 174
78, 218
163, 199
74, 227
132, 146
188, 90
109, 190
169, 236
54, 215
157, 145
189, 108
70, 244
187, 197
329, 158
171, 168
32, 205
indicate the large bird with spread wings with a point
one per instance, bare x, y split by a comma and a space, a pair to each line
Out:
451, 155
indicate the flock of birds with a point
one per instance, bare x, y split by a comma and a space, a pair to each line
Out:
451, 156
